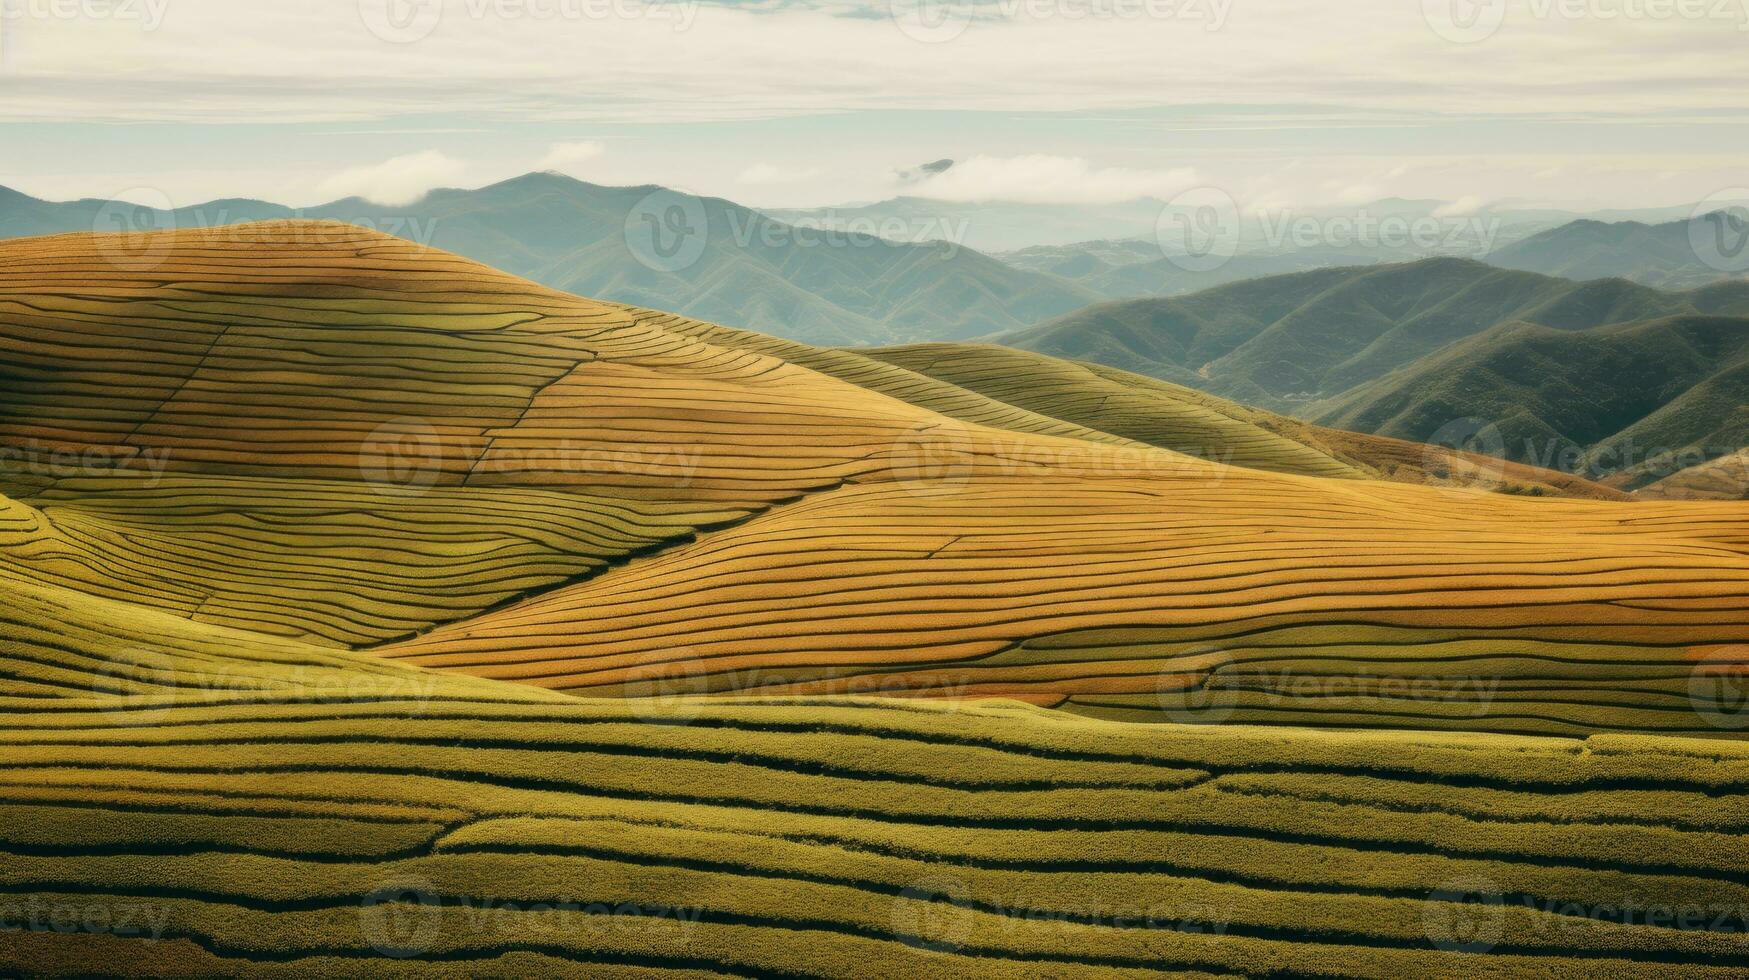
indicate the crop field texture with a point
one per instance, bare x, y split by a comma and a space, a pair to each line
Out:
320, 813
369, 611
347, 440
1725, 478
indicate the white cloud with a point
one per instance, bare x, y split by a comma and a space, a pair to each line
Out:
1041, 179
770, 173
1150, 91
1359, 194
1463, 207
395, 182
564, 156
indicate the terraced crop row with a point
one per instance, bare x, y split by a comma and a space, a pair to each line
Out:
315, 350
333, 561
1159, 413
1242, 602
329, 434
474, 828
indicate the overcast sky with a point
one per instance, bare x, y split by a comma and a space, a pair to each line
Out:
1586, 103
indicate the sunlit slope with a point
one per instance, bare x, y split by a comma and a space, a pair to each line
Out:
862, 368
1129, 405
1007, 388
464, 828
60, 646
333, 561
1171, 416
1256, 597
325, 351
324, 432
1725, 478
338, 436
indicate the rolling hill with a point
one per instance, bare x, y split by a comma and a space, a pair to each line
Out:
730, 264
228, 804
1633, 401
1196, 423
1286, 341
1723, 478
461, 466
370, 610
1664, 255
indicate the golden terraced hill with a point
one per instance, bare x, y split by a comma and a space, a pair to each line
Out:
370, 611
326, 434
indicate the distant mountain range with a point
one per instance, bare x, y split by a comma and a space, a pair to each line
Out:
1564, 371
1593, 376
1674, 255
1637, 401
742, 268
898, 271
1005, 227
1394, 230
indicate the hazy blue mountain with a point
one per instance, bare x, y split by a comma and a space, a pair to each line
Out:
988, 226
1287, 342
1671, 255
1639, 401
715, 259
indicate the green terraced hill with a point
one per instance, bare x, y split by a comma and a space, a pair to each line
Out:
1281, 342
380, 614
291, 813
1633, 402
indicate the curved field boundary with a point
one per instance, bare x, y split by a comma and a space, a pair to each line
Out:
328, 560
1387, 607
189, 799
533, 446
451, 832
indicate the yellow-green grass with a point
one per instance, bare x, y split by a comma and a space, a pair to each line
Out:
1724, 478
315, 350
468, 827
326, 433
338, 562
1171, 416
1264, 599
